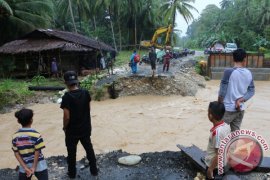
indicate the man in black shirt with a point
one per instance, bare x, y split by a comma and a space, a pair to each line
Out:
153, 59
77, 123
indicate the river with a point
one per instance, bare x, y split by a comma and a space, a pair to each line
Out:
138, 124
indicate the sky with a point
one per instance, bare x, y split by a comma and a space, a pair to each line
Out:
199, 5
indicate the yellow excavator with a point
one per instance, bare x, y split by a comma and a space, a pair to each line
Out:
157, 34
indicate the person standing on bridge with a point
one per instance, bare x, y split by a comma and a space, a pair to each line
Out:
167, 58
133, 62
236, 87
153, 59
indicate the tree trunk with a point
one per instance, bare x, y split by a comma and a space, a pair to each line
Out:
173, 23
113, 35
119, 29
135, 32
71, 14
95, 25
80, 18
112, 29
120, 35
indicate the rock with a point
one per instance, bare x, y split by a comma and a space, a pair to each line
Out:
129, 160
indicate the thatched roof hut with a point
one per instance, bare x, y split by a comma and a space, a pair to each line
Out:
72, 51
47, 39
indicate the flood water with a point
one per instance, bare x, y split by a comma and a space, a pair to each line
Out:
139, 124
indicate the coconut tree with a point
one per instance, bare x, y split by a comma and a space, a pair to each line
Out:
184, 8
264, 16
79, 9
226, 3
18, 17
107, 4
5, 9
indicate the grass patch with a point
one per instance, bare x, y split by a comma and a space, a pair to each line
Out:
13, 92
123, 57
16, 91
267, 55
42, 81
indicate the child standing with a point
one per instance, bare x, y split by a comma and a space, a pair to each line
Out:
27, 144
218, 132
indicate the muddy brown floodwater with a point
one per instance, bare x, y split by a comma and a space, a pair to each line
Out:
139, 124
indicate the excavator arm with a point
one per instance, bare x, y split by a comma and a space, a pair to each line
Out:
157, 34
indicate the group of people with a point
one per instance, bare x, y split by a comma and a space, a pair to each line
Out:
153, 60
27, 143
225, 114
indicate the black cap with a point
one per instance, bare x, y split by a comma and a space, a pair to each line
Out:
71, 77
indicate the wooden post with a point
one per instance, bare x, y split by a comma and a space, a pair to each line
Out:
38, 62
60, 63
96, 63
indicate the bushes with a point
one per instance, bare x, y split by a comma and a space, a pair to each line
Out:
13, 92
7, 65
89, 83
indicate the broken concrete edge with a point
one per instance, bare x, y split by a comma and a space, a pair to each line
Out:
195, 155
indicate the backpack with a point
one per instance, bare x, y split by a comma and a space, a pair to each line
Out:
137, 58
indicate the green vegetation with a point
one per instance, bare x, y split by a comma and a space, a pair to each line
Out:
241, 21
124, 56
12, 92
16, 91
120, 23
6, 67
89, 83
37, 80
267, 55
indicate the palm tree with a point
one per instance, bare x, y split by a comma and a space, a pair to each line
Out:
133, 11
226, 3
71, 14
18, 17
108, 11
264, 16
76, 8
5, 9
182, 6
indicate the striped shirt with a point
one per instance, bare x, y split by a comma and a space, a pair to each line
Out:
26, 141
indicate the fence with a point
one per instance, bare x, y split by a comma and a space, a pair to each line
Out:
256, 63
226, 60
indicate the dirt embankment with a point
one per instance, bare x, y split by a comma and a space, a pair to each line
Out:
181, 79
185, 84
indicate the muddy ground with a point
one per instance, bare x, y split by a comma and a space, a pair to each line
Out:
167, 165
159, 165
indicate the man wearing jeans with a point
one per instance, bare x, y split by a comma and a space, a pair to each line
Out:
236, 87
77, 123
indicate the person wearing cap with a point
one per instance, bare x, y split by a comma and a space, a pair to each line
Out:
167, 57
77, 123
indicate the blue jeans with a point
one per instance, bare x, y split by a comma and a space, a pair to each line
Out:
134, 67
